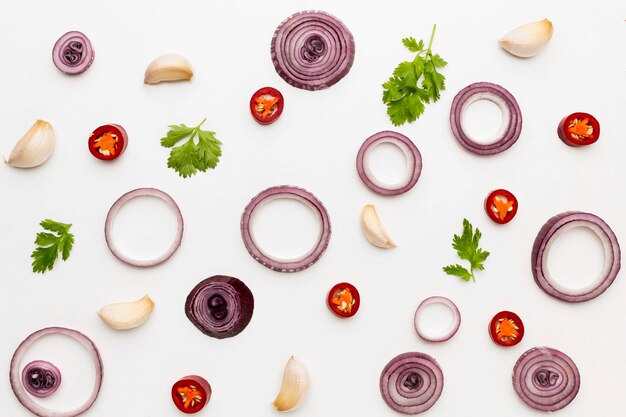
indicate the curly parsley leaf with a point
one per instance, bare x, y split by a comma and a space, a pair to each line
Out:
51, 244
466, 247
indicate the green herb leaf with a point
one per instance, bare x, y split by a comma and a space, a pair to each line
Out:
412, 44
50, 244
466, 247
457, 270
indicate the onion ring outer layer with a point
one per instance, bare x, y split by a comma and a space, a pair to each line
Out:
454, 326
73, 54
43, 373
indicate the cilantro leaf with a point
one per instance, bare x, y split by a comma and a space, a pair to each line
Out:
412, 44
466, 247
176, 133
457, 270
50, 244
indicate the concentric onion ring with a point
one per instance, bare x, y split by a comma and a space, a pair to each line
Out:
115, 208
411, 383
302, 195
41, 378
510, 128
546, 379
72, 53
411, 153
21, 392
454, 326
312, 50
546, 237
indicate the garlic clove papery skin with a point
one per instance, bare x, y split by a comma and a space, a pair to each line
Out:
127, 315
294, 388
171, 67
34, 148
373, 229
528, 40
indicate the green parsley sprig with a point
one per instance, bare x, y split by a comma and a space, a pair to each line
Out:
466, 247
51, 244
191, 156
403, 95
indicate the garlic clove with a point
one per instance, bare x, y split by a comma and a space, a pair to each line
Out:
294, 388
171, 67
127, 315
373, 230
527, 40
34, 148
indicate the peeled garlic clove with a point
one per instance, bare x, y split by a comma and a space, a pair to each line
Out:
34, 148
373, 230
294, 388
527, 40
171, 67
127, 315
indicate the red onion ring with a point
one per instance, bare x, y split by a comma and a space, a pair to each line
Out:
510, 128
41, 378
21, 392
411, 153
546, 379
115, 208
546, 237
296, 193
72, 53
451, 331
312, 50
411, 383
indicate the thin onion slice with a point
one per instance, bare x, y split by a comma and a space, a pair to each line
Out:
72, 53
411, 153
312, 50
452, 329
21, 392
511, 126
285, 191
115, 208
411, 383
547, 235
41, 378
546, 379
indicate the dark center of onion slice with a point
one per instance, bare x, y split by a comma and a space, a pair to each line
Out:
413, 382
218, 307
313, 49
545, 378
40, 379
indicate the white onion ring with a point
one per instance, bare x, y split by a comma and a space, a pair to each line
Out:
451, 331
16, 379
546, 237
411, 153
285, 191
115, 208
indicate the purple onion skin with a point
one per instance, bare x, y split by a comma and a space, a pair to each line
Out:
41, 378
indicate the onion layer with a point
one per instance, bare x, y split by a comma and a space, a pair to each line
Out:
546, 237
546, 379
312, 50
411, 383
454, 326
510, 128
41, 378
72, 53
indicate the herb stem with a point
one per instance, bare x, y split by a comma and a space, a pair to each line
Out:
201, 123
432, 36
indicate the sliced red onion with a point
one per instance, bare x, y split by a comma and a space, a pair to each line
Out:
411, 153
73, 53
295, 193
510, 128
411, 383
21, 392
546, 237
41, 378
312, 50
115, 208
546, 379
454, 326
220, 306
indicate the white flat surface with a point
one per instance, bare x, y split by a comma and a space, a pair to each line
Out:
313, 145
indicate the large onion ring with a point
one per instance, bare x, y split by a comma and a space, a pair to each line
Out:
16, 379
41, 378
546, 237
115, 208
312, 50
510, 128
546, 379
411, 153
296, 193
411, 383
450, 332
72, 53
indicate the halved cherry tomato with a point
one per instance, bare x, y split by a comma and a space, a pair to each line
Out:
501, 206
108, 142
191, 393
266, 105
344, 300
579, 129
506, 329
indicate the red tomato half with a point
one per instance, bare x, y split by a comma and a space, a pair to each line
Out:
191, 393
344, 300
506, 329
579, 129
266, 105
501, 206
108, 142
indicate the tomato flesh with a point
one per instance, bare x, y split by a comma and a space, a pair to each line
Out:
266, 105
191, 393
344, 300
579, 129
506, 329
501, 206
108, 142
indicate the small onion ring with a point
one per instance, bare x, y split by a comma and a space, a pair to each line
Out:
510, 128
546, 379
296, 193
72, 53
115, 208
411, 153
22, 394
411, 383
546, 237
43, 373
312, 50
450, 332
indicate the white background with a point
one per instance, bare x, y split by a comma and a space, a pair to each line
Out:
313, 145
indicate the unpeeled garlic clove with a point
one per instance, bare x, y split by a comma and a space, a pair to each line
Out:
171, 67
127, 315
34, 148
294, 388
527, 40
373, 230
